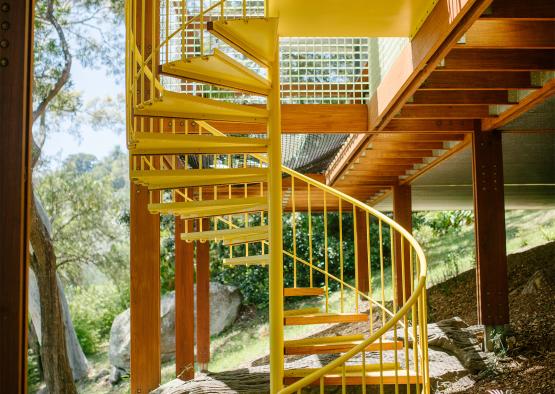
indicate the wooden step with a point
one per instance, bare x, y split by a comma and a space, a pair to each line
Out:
248, 260
336, 344
168, 143
256, 38
223, 235
206, 208
303, 311
303, 291
354, 376
218, 69
186, 106
173, 179
325, 318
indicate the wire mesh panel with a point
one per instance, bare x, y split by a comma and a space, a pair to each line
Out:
313, 70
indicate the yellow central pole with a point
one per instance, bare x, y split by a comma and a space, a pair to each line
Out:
275, 222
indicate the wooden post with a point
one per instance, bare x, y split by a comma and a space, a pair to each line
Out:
16, 76
145, 293
402, 212
203, 301
362, 251
489, 219
184, 304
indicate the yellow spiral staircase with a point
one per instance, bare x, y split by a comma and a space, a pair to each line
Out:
196, 172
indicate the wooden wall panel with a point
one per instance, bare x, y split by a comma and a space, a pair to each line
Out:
489, 214
16, 71
145, 293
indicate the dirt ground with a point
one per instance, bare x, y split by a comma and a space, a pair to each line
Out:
527, 364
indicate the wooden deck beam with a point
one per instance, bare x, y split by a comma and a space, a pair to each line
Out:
478, 80
518, 9
443, 112
429, 126
503, 33
515, 111
459, 97
441, 30
310, 118
499, 59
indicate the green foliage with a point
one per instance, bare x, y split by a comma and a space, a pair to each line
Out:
93, 310
253, 281
443, 222
84, 199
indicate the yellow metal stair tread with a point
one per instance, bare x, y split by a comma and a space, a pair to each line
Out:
298, 312
218, 69
222, 235
206, 208
348, 369
323, 318
247, 239
161, 143
354, 376
172, 179
302, 291
256, 38
336, 344
181, 105
248, 260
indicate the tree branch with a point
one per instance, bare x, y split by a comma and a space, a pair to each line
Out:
64, 77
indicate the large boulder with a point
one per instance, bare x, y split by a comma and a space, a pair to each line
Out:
224, 308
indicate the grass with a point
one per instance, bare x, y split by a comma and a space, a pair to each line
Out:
447, 255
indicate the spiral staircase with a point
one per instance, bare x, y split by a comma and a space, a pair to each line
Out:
195, 172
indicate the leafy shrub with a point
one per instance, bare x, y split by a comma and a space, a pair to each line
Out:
93, 310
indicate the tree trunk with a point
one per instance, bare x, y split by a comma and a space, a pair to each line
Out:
77, 360
57, 371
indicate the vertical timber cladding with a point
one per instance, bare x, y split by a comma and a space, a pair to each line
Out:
184, 301
402, 211
489, 214
145, 236
203, 299
16, 72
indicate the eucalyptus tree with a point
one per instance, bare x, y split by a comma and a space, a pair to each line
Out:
88, 31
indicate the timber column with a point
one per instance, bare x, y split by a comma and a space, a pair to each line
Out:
144, 226
203, 300
16, 76
402, 213
489, 221
184, 302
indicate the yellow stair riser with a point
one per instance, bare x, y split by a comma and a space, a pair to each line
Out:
325, 318
185, 106
339, 347
255, 37
224, 235
178, 143
248, 260
389, 377
207, 208
220, 70
173, 179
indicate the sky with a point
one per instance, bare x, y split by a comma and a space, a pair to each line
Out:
91, 83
